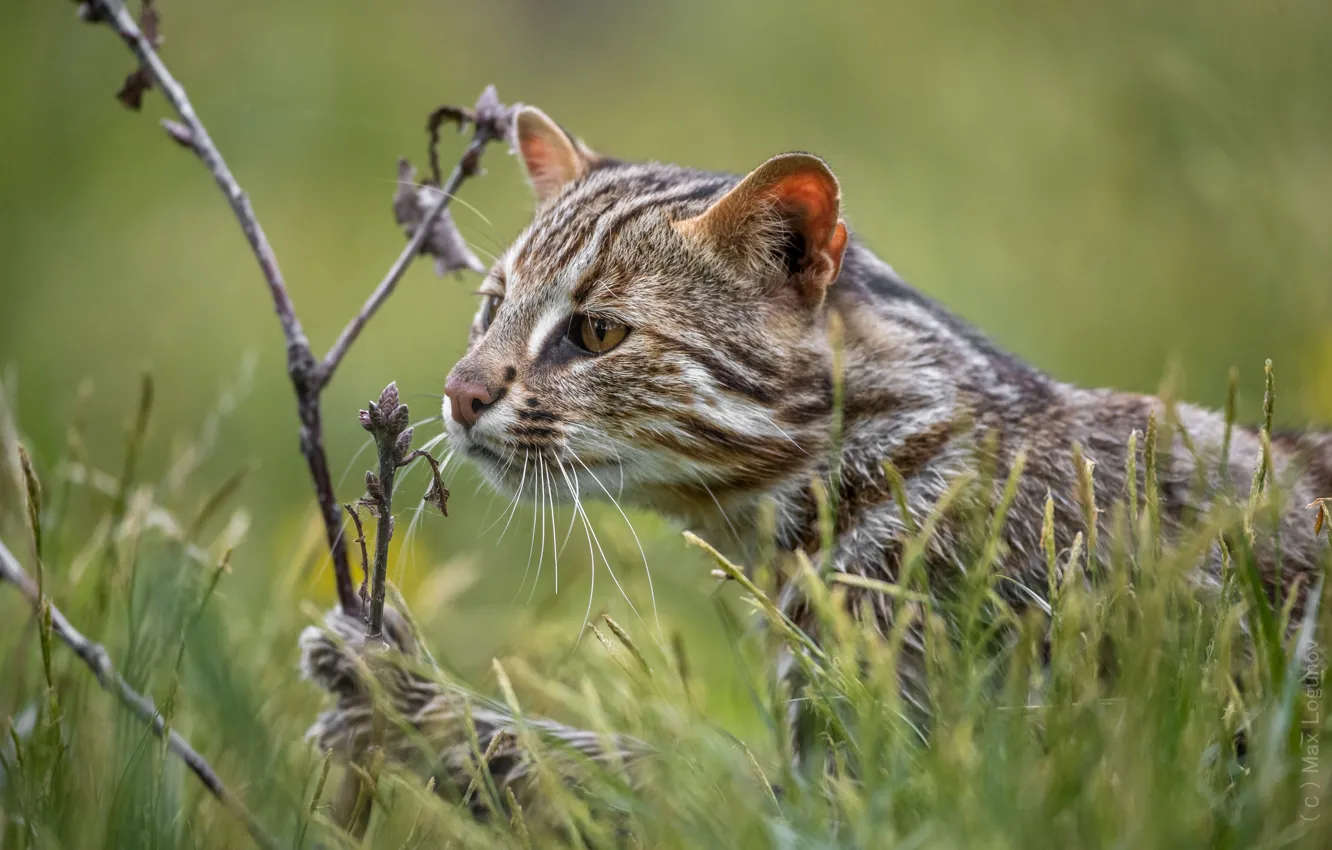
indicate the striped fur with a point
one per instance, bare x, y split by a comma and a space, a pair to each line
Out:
419, 718
722, 395
721, 398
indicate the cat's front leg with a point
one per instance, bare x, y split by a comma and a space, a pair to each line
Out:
390, 698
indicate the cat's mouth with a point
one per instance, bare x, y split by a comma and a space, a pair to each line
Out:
501, 465
542, 471
485, 455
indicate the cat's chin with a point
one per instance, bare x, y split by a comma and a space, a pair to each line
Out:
496, 468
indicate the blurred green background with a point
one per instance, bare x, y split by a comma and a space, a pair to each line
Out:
1112, 190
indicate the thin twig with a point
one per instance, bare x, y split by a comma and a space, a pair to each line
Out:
95, 656
388, 465
484, 132
490, 122
365, 557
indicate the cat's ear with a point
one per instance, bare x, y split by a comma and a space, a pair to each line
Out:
784, 217
552, 157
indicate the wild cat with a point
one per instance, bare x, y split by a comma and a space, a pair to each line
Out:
682, 337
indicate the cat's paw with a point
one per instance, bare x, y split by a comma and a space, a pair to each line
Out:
336, 657
333, 656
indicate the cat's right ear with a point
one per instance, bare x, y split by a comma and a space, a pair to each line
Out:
552, 157
783, 219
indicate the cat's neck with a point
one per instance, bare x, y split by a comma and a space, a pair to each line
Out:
914, 379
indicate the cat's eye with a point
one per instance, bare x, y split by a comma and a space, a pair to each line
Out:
596, 335
489, 307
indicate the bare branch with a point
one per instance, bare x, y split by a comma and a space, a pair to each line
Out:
95, 656
490, 122
423, 211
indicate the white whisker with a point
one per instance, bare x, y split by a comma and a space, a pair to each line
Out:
541, 556
453, 198
531, 546
555, 549
573, 517
517, 498
594, 539
494, 493
782, 432
429, 445
475, 247
592, 556
734, 534
652, 593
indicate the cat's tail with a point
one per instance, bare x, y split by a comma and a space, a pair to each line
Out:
392, 699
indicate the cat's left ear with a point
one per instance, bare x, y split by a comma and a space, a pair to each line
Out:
552, 157
783, 218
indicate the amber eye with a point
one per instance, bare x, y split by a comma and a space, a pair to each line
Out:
490, 305
596, 335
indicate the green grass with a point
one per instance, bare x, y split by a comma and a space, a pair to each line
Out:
1108, 189
1125, 737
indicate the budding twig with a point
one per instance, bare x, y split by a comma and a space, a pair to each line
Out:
387, 421
95, 656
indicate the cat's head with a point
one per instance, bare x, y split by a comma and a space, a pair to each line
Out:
656, 331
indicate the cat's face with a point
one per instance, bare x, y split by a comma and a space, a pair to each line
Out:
656, 332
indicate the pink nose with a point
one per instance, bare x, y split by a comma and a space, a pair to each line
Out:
467, 400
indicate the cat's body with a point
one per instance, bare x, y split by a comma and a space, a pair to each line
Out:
681, 338
720, 395
925, 392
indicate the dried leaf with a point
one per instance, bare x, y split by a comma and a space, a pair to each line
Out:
437, 495
136, 84
150, 23
460, 118
91, 13
489, 110
411, 202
